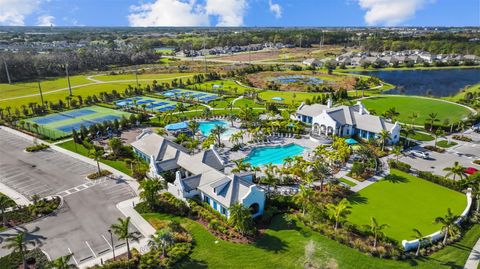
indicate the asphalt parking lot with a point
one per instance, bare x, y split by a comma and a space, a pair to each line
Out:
81, 225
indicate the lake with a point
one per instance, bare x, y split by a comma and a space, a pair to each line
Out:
440, 83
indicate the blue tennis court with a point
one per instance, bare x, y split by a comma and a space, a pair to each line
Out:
150, 104
200, 96
79, 113
76, 126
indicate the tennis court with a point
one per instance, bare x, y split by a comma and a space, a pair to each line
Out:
61, 124
150, 104
199, 96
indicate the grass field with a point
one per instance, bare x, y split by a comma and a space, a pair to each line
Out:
283, 246
404, 202
446, 143
25, 88
287, 96
226, 85
59, 125
144, 77
421, 136
348, 182
406, 105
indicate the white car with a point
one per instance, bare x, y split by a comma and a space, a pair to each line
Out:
420, 154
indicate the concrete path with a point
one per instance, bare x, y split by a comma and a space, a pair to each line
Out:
474, 257
17, 197
363, 184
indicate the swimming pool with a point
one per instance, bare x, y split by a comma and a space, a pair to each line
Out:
206, 127
274, 155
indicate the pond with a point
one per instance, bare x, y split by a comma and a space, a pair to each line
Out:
297, 79
440, 83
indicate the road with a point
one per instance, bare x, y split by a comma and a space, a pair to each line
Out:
81, 225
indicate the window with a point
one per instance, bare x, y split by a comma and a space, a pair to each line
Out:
348, 131
206, 199
224, 211
215, 205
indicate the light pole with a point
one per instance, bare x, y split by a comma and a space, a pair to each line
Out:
111, 240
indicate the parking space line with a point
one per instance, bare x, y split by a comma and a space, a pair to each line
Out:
93, 252
73, 256
107, 241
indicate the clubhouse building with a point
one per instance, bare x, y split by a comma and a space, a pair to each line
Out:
199, 175
346, 121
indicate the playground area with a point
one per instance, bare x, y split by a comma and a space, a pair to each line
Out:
189, 94
61, 124
147, 103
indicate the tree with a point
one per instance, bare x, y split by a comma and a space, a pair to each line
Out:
62, 262
384, 136
438, 133
270, 179
455, 170
149, 189
422, 240
241, 218
397, 151
122, 230
161, 240
338, 212
432, 118
304, 197
473, 182
407, 131
217, 131
193, 126
376, 230
413, 118
115, 145
241, 166
19, 244
96, 154
4, 204
320, 171
448, 224
392, 114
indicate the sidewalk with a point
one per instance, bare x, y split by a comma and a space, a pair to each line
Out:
474, 257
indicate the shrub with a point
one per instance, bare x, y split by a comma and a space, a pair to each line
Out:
37, 147
14, 260
96, 175
451, 184
476, 162
405, 167
177, 252
436, 149
462, 138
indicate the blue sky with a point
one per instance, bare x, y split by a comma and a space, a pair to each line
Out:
241, 12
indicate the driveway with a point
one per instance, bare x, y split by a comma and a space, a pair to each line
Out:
81, 225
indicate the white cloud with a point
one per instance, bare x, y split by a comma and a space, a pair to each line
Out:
275, 9
188, 13
390, 12
45, 20
13, 12
168, 13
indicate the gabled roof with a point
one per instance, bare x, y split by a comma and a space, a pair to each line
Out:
158, 147
232, 192
311, 110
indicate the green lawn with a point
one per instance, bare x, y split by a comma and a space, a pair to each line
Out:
149, 77
283, 246
404, 202
226, 85
80, 149
446, 143
421, 136
348, 182
406, 105
287, 96
25, 88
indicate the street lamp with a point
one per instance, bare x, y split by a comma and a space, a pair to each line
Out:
111, 240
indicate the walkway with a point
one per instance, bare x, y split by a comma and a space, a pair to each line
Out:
474, 257
363, 184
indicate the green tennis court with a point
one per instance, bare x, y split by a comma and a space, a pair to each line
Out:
61, 124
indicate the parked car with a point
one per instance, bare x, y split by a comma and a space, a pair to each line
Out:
420, 154
471, 170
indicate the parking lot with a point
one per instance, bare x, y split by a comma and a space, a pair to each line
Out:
81, 225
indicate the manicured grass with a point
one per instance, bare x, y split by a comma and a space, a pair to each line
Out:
24, 88
446, 143
404, 202
406, 105
247, 102
143, 77
226, 85
287, 96
462, 93
421, 136
346, 181
80, 149
283, 246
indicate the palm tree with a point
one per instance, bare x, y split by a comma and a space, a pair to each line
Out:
392, 113
455, 170
338, 212
96, 154
161, 131
448, 224
432, 118
270, 179
474, 183
375, 229
384, 136
19, 244
4, 204
61, 263
150, 189
407, 131
161, 240
122, 230
422, 240
320, 171
413, 117
241, 218
438, 133
304, 197
241, 166
193, 126
397, 151
217, 131
207, 113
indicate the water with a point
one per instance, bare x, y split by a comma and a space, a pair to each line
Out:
274, 155
206, 127
440, 83
299, 79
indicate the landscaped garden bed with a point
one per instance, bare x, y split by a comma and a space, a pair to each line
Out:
434, 148
37, 147
462, 138
23, 214
446, 143
97, 175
